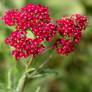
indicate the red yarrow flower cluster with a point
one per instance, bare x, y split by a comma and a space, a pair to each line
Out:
70, 30
67, 31
24, 46
63, 46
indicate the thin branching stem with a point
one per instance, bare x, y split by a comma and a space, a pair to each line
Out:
21, 83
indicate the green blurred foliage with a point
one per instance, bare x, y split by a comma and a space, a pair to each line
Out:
71, 73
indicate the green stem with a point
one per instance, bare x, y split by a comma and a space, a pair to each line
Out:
21, 84
9, 79
38, 89
40, 67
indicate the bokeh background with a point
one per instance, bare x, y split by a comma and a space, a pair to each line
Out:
72, 73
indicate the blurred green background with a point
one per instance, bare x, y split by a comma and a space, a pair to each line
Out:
72, 73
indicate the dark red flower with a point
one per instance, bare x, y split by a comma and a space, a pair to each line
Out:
70, 29
23, 46
64, 46
35, 18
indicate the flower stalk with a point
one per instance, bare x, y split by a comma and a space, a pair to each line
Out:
24, 77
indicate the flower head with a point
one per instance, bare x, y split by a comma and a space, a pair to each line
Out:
70, 29
36, 19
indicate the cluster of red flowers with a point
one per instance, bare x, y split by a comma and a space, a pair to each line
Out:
70, 28
36, 19
24, 46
